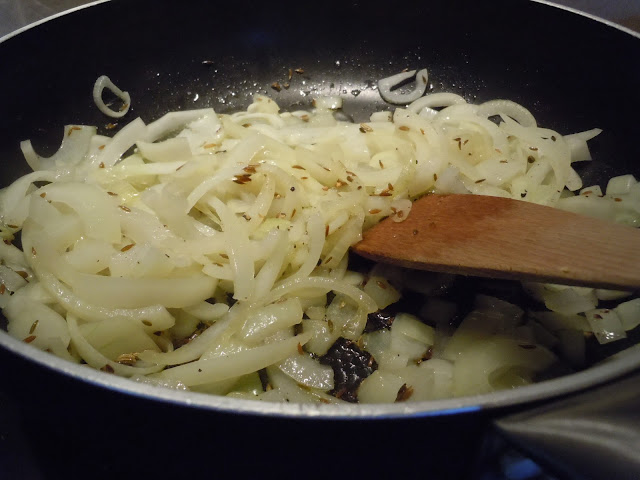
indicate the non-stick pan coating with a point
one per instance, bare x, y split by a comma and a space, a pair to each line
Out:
572, 72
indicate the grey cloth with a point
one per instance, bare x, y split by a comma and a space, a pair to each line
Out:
593, 435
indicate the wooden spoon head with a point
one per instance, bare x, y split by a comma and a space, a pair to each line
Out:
504, 238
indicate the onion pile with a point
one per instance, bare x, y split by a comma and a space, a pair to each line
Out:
216, 259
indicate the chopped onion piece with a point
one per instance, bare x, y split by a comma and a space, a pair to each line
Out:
605, 325
620, 185
380, 387
629, 314
327, 103
307, 371
570, 301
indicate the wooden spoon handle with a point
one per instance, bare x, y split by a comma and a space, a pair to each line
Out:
504, 238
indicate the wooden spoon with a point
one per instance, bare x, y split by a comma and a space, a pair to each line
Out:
504, 238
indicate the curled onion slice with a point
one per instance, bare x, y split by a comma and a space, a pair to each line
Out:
104, 82
386, 85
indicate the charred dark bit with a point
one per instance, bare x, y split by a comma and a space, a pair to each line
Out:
350, 366
378, 320
264, 379
230, 300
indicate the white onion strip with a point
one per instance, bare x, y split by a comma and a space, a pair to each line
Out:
435, 100
235, 364
156, 315
98, 361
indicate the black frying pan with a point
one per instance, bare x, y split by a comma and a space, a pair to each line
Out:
572, 72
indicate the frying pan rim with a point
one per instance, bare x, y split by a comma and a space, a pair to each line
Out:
49, 18
608, 370
575, 11
591, 16
611, 369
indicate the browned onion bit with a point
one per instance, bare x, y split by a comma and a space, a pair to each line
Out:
350, 366
404, 393
427, 356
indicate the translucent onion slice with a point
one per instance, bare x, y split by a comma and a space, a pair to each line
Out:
605, 324
35, 323
104, 82
98, 361
270, 319
473, 371
206, 311
506, 107
380, 387
122, 292
96, 209
192, 350
385, 87
121, 142
234, 364
629, 313
435, 100
74, 147
307, 371
173, 121
156, 316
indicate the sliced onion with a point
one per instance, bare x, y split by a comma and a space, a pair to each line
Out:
435, 100
629, 314
97, 360
605, 325
380, 387
234, 364
271, 319
386, 85
307, 371
104, 82
620, 185
506, 107
74, 147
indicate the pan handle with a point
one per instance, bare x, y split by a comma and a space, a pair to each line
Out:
593, 435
